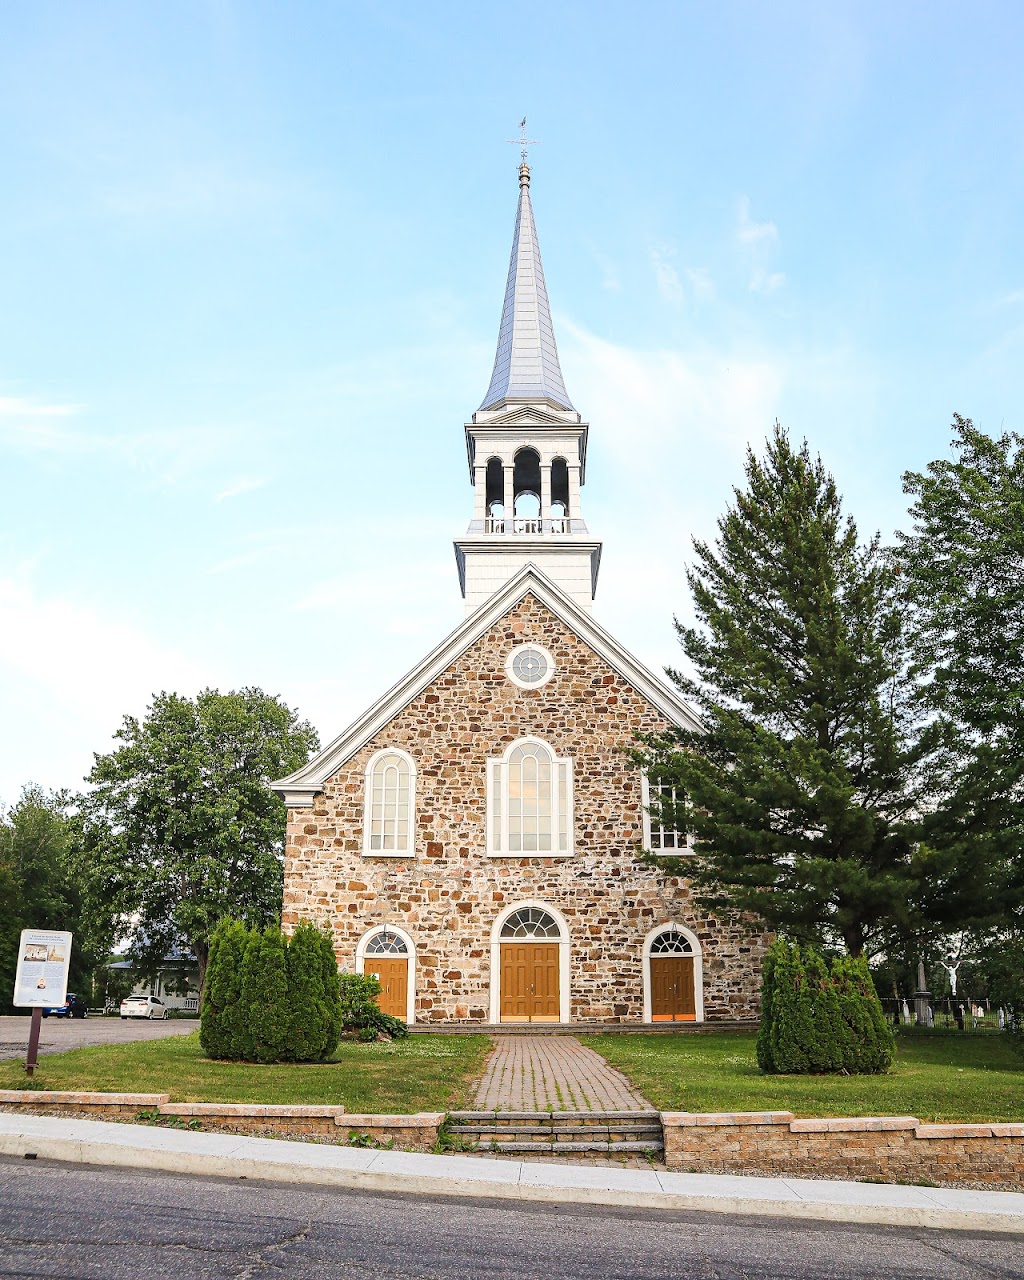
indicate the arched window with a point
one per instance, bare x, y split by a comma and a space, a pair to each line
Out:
531, 922
388, 822
671, 943
386, 943
529, 800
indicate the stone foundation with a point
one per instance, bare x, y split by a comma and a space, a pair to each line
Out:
887, 1148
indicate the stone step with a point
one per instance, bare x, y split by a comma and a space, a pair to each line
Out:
572, 1148
555, 1117
567, 1132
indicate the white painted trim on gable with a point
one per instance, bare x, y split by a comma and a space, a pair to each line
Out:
361, 945
698, 966
410, 851
307, 781
564, 945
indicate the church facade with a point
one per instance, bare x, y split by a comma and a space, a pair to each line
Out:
473, 838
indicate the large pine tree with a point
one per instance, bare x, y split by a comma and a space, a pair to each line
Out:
802, 792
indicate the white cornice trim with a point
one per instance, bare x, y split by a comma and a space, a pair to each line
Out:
299, 788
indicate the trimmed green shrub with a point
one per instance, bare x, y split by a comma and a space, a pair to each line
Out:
360, 1011
220, 995
817, 1018
270, 1000
264, 996
313, 999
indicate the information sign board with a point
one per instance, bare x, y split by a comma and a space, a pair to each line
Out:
44, 957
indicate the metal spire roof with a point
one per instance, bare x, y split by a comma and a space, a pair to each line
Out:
526, 363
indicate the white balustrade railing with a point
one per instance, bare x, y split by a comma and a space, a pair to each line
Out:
522, 524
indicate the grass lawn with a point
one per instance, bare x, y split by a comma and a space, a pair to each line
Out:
936, 1078
423, 1073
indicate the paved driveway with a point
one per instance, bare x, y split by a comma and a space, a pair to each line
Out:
59, 1034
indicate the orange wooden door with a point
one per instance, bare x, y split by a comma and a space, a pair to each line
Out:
529, 982
673, 996
393, 976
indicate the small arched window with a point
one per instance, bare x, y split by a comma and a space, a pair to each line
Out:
529, 801
388, 822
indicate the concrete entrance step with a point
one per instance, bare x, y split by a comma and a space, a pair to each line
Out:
560, 1132
572, 1148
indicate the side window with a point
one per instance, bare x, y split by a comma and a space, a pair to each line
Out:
388, 822
664, 818
529, 802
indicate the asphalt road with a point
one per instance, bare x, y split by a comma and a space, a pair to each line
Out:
69, 1221
60, 1034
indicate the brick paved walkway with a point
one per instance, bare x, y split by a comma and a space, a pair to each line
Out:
552, 1073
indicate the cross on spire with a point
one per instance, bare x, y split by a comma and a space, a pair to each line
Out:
523, 141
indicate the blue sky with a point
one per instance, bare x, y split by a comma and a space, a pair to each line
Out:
252, 259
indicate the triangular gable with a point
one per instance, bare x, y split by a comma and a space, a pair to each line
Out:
299, 788
525, 413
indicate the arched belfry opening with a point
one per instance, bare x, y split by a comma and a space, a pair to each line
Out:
495, 493
560, 492
526, 490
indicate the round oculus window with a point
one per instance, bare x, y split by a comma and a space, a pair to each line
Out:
529, 666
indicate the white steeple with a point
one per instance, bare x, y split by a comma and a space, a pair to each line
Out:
527, 447
526, 364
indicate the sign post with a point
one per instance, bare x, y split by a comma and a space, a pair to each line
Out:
44, 958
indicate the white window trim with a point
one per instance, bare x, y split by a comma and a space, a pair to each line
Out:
497, 799
673, 926
685, 850
410, 946
410, 851
564, 944
523, 684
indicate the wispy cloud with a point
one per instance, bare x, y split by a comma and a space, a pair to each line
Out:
701, 284
750, 232
1012, 298
30, 426
245, 484
758, 242
666, 276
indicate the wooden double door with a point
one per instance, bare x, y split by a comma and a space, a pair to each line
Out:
393, 976
673, 995
529, 982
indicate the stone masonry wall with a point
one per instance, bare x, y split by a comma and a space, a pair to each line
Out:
449, 895
886, 1148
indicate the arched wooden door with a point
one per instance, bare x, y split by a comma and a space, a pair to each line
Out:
387, 958
529, 967
673, 989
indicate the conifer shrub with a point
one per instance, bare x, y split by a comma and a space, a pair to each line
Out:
819, 1018
220, 993
268, 999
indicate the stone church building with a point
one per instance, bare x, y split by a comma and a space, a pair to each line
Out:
472, 838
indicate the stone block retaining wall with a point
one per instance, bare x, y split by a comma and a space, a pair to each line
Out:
887, 1148
417, 1132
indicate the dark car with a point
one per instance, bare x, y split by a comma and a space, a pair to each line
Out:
73, 1007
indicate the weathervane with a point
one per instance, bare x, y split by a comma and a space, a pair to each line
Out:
523, 141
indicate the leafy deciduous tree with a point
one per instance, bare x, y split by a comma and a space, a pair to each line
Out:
180, 827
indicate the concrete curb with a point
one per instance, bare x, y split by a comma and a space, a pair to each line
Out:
94, 1142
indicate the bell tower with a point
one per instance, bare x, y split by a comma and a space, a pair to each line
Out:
527, 447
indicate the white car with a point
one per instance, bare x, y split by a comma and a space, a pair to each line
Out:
143, 1007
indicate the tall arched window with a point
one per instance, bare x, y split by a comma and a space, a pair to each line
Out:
529, 801
388, 829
